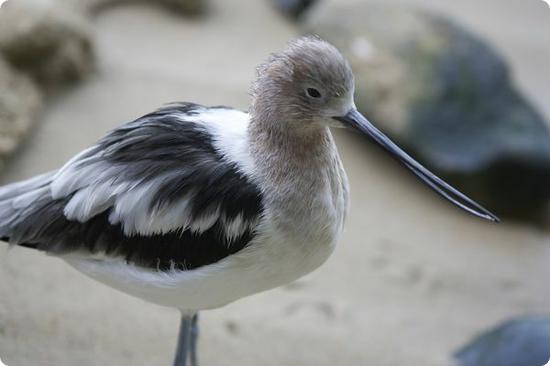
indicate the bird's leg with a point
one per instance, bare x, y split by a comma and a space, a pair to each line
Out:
194, 339
184, 341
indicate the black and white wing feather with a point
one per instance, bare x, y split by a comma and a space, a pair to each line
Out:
159, 192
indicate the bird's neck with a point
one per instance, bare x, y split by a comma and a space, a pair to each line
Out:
280, 148
302, 177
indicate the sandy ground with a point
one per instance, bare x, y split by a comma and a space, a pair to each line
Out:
412, 280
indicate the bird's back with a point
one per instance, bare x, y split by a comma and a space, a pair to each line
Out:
159, 192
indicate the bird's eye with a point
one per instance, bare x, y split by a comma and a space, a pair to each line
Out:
313, 93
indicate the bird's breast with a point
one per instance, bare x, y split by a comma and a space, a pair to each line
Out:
305, 196
305, 215
299, 235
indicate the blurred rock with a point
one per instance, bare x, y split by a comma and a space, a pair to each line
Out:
19, 103
519, 342
47, 43
186, 7
294, 9
190, 7
448, 98
50, 41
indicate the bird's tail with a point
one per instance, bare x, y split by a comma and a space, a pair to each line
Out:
17, 198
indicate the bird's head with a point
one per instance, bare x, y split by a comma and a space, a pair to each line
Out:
309, 86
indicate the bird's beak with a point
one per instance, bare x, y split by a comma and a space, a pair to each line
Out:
357, 121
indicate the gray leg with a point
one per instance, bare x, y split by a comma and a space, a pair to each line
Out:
194, 339
183, 341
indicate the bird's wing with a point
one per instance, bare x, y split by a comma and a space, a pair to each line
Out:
167, 190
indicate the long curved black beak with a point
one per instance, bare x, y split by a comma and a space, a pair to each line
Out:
357, 121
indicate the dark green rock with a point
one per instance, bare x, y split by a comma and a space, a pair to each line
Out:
520, 342
294, 9
448, 97
189, 8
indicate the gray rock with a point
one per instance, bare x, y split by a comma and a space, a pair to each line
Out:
53, 39
447, 96
20, 101
46, 43
519, 342
50, 41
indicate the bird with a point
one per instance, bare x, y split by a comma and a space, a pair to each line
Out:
194, 207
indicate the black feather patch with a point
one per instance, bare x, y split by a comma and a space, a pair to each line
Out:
159, 144
175, 250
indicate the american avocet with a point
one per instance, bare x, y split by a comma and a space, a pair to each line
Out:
194, 207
